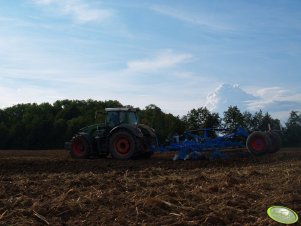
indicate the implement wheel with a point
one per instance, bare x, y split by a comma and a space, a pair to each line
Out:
80, 147
122, 145
275, 142
258, 143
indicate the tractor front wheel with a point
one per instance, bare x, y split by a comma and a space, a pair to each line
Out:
80, 147
257, 143
122, 145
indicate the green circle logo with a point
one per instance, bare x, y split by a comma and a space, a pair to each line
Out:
282, 214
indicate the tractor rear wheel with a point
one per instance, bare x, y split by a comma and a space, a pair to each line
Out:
122, 145
80, 147
257, 143
275, 142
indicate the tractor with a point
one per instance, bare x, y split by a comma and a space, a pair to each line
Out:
120, 137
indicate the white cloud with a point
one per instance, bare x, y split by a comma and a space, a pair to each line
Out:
272, 93
203, 20
225, 95
278, 94
275, 100
80, 10
84, 13
45, 2
163, 59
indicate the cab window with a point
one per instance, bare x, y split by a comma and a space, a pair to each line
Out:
112, 118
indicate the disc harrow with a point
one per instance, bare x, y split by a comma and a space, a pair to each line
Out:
211, 143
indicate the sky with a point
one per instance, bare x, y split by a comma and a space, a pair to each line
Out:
178, 55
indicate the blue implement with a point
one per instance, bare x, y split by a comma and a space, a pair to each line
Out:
196, 144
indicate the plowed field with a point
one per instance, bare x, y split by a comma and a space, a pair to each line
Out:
50, 188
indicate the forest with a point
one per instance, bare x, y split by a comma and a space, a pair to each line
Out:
49, 126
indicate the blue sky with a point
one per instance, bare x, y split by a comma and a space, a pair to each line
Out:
178, 55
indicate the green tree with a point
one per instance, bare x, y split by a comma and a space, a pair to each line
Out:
4, 134
257, 120
201, 118
260, 121
233, 118
292, 131
248, 121
269, 123
165, 125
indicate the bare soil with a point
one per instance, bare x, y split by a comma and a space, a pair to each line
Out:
50, 188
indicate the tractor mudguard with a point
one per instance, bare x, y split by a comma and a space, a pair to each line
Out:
132, 129
147, 130
149, 141
86, 135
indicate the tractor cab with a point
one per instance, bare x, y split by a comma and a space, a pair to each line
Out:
117, 116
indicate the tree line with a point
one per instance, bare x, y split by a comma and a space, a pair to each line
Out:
48, 126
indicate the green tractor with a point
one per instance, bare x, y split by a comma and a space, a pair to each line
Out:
120, 137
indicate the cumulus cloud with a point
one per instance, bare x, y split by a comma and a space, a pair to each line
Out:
274, 100
79, 10
225, 95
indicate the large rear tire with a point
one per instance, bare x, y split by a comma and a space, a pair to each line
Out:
80, 147
257, 143
275, 142
122, 145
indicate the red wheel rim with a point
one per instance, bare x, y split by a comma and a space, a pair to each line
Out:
78, 147
258, 144
122, 146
